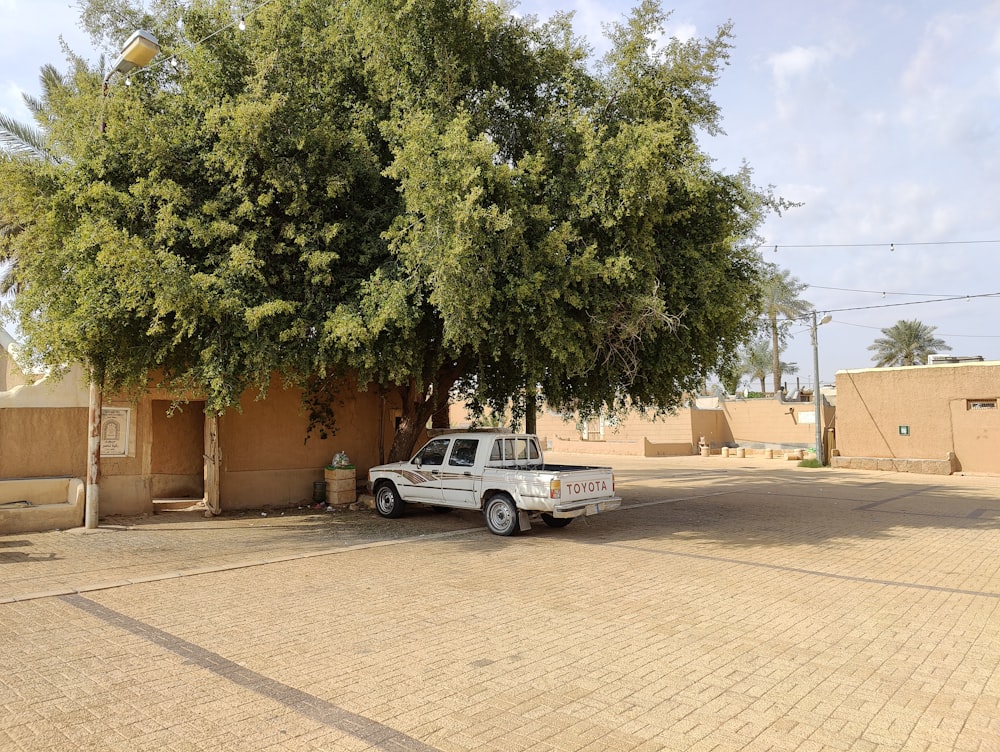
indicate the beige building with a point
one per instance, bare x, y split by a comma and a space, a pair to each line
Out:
152, 453
940, 418
715, 423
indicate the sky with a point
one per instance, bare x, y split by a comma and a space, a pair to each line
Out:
881, 119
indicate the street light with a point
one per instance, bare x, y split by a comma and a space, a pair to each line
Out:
817, 399
140, 48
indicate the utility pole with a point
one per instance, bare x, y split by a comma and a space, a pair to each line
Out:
817, 398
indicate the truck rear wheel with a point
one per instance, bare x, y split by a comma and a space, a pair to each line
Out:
387, 501
551, 521
501, 515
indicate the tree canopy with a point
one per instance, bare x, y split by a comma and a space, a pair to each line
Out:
906, 343
422, 194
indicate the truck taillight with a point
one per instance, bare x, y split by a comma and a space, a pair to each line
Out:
612, 482
555, 489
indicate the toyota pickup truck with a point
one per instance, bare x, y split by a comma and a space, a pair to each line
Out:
504, 475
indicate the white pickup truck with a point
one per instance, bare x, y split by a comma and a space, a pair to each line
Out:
503, 474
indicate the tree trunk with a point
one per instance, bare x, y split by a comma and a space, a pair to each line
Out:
212, 463
92, 505
419, 404
441, 419
530, 412
775, 357
405, 440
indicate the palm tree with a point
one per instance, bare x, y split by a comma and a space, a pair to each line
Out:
757, 362
19, 141
906, 343
780, 292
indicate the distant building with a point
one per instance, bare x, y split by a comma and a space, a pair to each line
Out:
939, 418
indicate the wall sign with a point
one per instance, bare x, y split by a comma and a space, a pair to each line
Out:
114, 431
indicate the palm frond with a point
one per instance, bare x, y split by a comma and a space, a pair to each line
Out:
35, 105
22, 140
9, 284
51, 80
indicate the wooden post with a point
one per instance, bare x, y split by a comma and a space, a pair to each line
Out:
92, 506
213, 460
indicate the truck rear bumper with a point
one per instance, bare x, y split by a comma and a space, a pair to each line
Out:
586, 507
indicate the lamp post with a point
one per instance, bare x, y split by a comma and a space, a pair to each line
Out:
140, 48
138, 51
817, 399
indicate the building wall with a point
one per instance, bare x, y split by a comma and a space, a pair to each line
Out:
266, 460
670, 435
718, 423
772, 422
936, 405
40, 441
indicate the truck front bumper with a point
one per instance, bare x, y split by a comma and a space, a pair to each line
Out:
586, 507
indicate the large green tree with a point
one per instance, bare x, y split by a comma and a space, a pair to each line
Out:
423, 194
906, 343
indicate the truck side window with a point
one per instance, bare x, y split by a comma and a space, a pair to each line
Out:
432, 453
463, 452
508, 450
533, 453
497, 454
522, 449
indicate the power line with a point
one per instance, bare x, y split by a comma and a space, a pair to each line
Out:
913, 302
897, 305
891, 246
889, 292
936, 333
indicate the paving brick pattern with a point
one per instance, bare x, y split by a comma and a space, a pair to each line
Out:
729, 605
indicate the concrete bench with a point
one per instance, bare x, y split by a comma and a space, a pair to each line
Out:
30, 505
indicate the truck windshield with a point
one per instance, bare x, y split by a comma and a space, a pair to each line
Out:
432, 453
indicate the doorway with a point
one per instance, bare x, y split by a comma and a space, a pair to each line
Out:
177, 461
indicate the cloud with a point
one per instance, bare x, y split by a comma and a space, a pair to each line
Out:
796, 62
796, 75
11, 102
683, 32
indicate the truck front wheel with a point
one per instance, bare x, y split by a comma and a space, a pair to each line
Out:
501, 515
387, 501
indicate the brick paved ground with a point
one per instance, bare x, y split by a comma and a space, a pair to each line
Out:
732, 604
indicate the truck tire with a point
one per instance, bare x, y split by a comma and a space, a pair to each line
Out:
551, 521
387, 501
501, 515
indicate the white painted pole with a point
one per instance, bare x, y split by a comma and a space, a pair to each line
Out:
92, 506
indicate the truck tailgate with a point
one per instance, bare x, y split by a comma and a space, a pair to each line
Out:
587, 484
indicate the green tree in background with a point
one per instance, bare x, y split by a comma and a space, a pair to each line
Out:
756, 362
781, 293
420, 195
906, 343
24, 142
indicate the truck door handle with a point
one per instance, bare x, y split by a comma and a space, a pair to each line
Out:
467, 474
